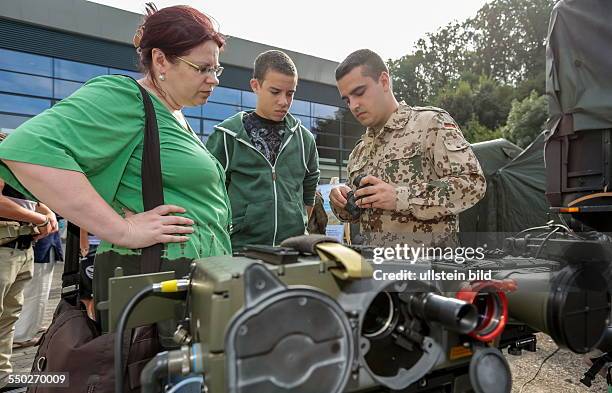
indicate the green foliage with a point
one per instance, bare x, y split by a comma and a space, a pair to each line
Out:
476, 132
492, 102
509, 37
475, 69
484, 101
526, 119
408, 82
459, 102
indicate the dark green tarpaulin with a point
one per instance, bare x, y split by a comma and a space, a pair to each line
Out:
515, 193
495, 154
579, 64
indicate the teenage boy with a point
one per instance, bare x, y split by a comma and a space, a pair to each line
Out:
270, 159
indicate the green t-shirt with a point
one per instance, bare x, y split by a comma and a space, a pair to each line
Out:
99, 131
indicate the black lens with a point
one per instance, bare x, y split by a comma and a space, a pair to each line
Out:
379, 317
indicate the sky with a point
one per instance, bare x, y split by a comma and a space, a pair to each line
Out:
330, 29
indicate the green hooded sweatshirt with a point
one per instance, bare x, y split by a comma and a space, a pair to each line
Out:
267, 200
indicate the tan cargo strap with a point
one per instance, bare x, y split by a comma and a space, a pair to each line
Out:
350, 264
590, 196
13, 229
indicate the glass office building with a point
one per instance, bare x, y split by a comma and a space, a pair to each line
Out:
34, 77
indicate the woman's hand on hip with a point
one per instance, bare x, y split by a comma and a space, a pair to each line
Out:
154, 226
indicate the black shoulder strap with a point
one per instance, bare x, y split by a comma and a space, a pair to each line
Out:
152, 185
70, 277
152, 196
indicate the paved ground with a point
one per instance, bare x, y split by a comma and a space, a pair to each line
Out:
561, 373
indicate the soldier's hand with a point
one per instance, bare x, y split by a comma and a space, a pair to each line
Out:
338, 196
155, 226
378, 195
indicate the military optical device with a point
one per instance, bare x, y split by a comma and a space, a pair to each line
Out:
325, 323
351, 205
354, 333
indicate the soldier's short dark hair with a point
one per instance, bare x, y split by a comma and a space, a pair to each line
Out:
274, 60
373, 64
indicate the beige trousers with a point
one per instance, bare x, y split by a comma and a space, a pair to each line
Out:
15, 271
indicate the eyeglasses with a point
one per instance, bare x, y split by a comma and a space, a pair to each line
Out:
216, 71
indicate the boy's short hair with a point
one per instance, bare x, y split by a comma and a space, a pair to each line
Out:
274, 60
374, 65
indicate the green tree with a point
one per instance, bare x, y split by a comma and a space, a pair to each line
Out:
476, 68
505, 41
492, 102
459, 102
486, 101
443, 55
509, 38
526, 119
475, 132
408, 81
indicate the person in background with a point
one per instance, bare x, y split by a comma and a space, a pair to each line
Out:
21, 222
270, 159
47, 251
88, 243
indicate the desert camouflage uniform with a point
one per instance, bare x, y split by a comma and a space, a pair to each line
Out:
422, 152
318, 218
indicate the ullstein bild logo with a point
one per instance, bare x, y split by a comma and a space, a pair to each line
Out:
412, 254
430, 275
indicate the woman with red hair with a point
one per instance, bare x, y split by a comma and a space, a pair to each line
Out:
82, 157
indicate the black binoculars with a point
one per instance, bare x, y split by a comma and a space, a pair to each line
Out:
351, 206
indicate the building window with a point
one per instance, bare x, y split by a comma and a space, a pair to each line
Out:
22, 105
25, 62
249, 99
350, 127
193, 111
324, 111
29, 84
9, 122
75, 71
209, 126
349, 142
12, 82
300, 107
219, 111
327, 126
306, 122
225, 95
194, 123
63, 89
328, 140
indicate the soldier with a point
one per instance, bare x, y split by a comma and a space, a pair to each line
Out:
421, 172
21, 222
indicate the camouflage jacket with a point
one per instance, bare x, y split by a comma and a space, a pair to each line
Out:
318, 218
422, 152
